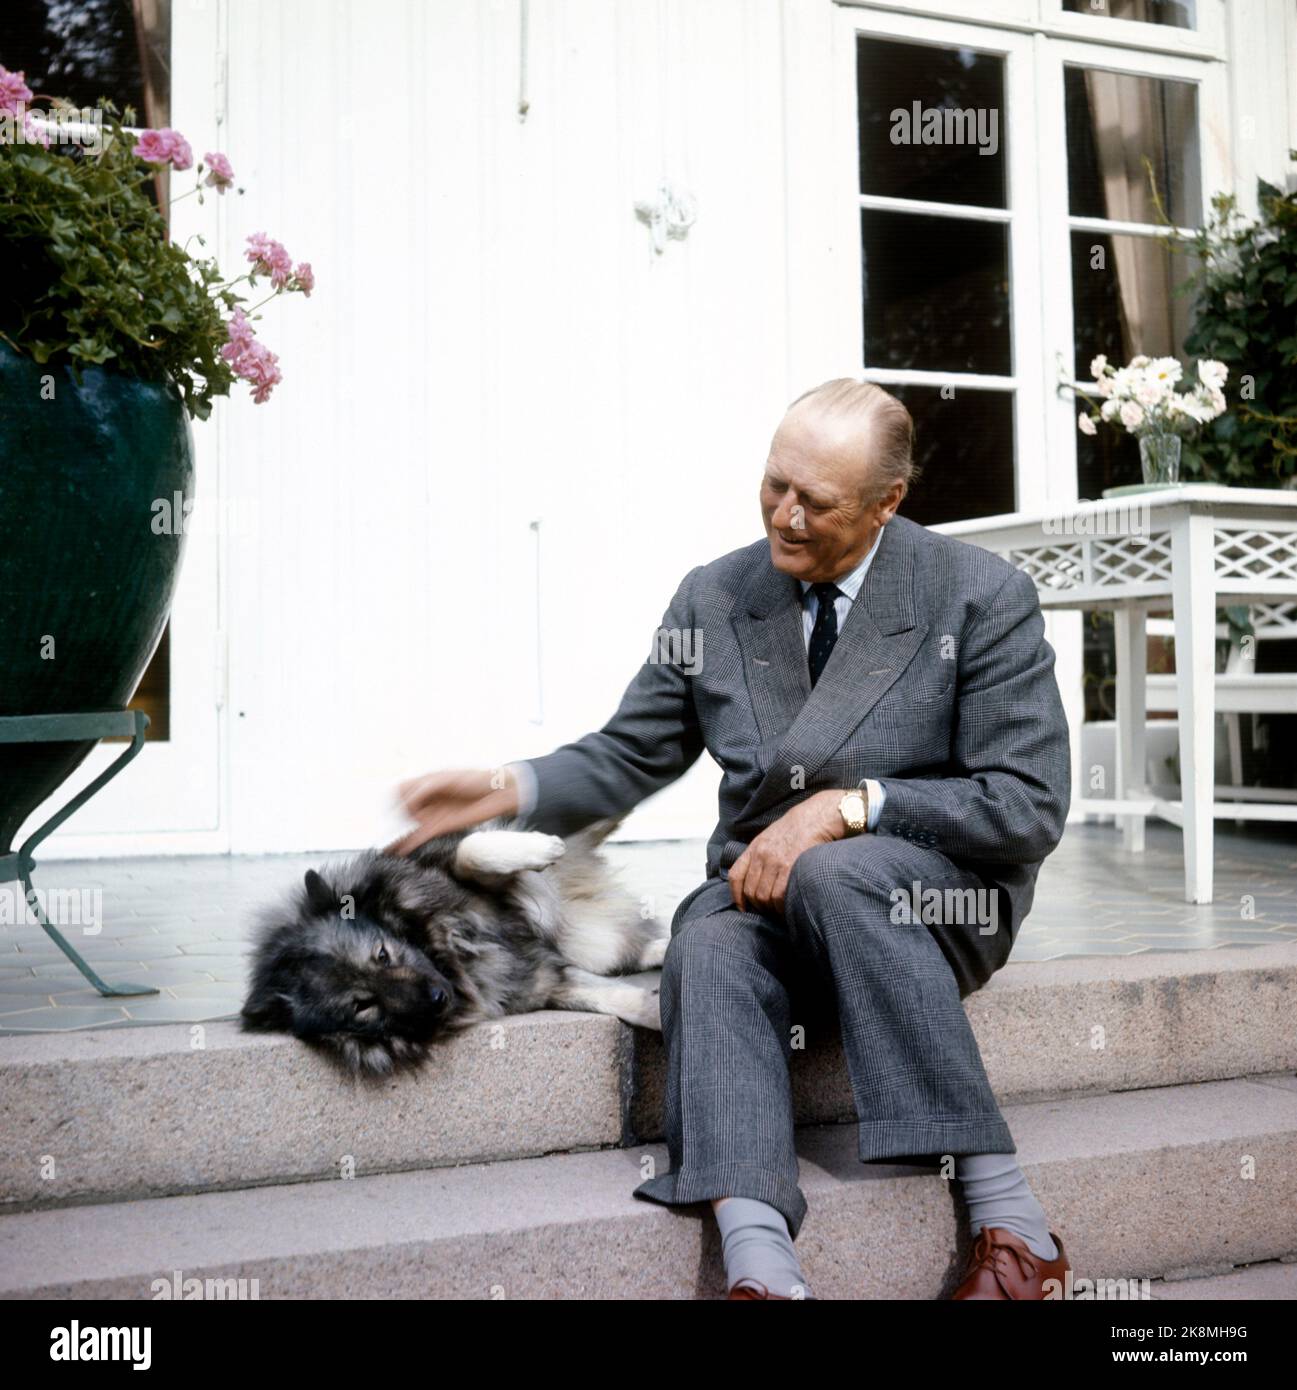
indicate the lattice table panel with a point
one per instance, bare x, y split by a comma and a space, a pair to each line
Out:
1122, 560
1056, 567
1259, 554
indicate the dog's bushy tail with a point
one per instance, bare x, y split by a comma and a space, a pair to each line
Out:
599, 908
595, 833
583, 874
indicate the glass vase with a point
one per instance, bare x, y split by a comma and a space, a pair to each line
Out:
1159, 454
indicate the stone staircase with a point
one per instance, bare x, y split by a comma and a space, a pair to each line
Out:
1152, 1098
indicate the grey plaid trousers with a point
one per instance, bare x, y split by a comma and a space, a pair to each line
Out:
734, 984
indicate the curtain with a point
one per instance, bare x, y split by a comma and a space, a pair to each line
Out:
1134, 117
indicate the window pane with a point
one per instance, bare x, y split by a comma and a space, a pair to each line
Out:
1107, 459
931, 122
92, 49
1114, 122
1124, 299
964, 447
1177, 14
936, 293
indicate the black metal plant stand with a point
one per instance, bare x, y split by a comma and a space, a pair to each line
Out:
69, 728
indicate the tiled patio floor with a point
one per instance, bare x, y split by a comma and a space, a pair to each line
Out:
182, 923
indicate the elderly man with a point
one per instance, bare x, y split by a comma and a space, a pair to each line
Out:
895, 754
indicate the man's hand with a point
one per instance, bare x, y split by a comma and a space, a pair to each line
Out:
443, 802
759, 876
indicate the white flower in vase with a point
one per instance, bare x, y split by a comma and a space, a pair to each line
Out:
1142, 398
1165, 370
1132, 415
1213, 374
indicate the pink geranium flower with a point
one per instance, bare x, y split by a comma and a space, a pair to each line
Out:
251, 360
13, 90
268, 257
240, 333
182, 157
263, 374
151, 147
164, 146
305, 278
219, 174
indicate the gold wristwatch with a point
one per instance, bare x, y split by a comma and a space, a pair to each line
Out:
854, 808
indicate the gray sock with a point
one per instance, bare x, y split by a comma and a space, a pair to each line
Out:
996, 1190
755, 1244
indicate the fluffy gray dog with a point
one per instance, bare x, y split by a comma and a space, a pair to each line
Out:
374, 960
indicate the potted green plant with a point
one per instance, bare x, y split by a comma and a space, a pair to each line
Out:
1245, 316
112, 339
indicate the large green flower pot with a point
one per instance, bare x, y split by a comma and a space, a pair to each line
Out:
88, 559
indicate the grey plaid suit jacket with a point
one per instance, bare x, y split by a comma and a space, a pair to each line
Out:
941, 686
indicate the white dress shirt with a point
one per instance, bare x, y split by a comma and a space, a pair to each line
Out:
850, 585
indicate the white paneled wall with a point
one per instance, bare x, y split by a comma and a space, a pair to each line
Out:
493, 343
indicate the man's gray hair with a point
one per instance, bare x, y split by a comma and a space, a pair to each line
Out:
879, 417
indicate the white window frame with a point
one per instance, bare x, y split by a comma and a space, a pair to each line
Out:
1024, 382
1206, 40
1048, 18
1036, 39
1057, 222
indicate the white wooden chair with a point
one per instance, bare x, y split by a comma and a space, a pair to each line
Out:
1240, 690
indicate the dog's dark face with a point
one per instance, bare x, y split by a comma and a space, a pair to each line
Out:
348, 971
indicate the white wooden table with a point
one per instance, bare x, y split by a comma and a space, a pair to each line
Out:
1191, 548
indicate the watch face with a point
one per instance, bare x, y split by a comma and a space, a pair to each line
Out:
852, 807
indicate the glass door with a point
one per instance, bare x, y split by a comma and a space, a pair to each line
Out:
1003, 177
1134, 172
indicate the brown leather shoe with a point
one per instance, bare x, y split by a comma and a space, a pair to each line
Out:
754, 1288
1002, 1265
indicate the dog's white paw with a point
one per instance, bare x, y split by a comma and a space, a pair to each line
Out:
654, 953
649, 1011
507, 851
551, 847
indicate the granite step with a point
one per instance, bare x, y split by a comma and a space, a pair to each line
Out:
1138, 1184
125, 1113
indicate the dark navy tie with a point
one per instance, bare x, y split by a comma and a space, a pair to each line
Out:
825, 632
